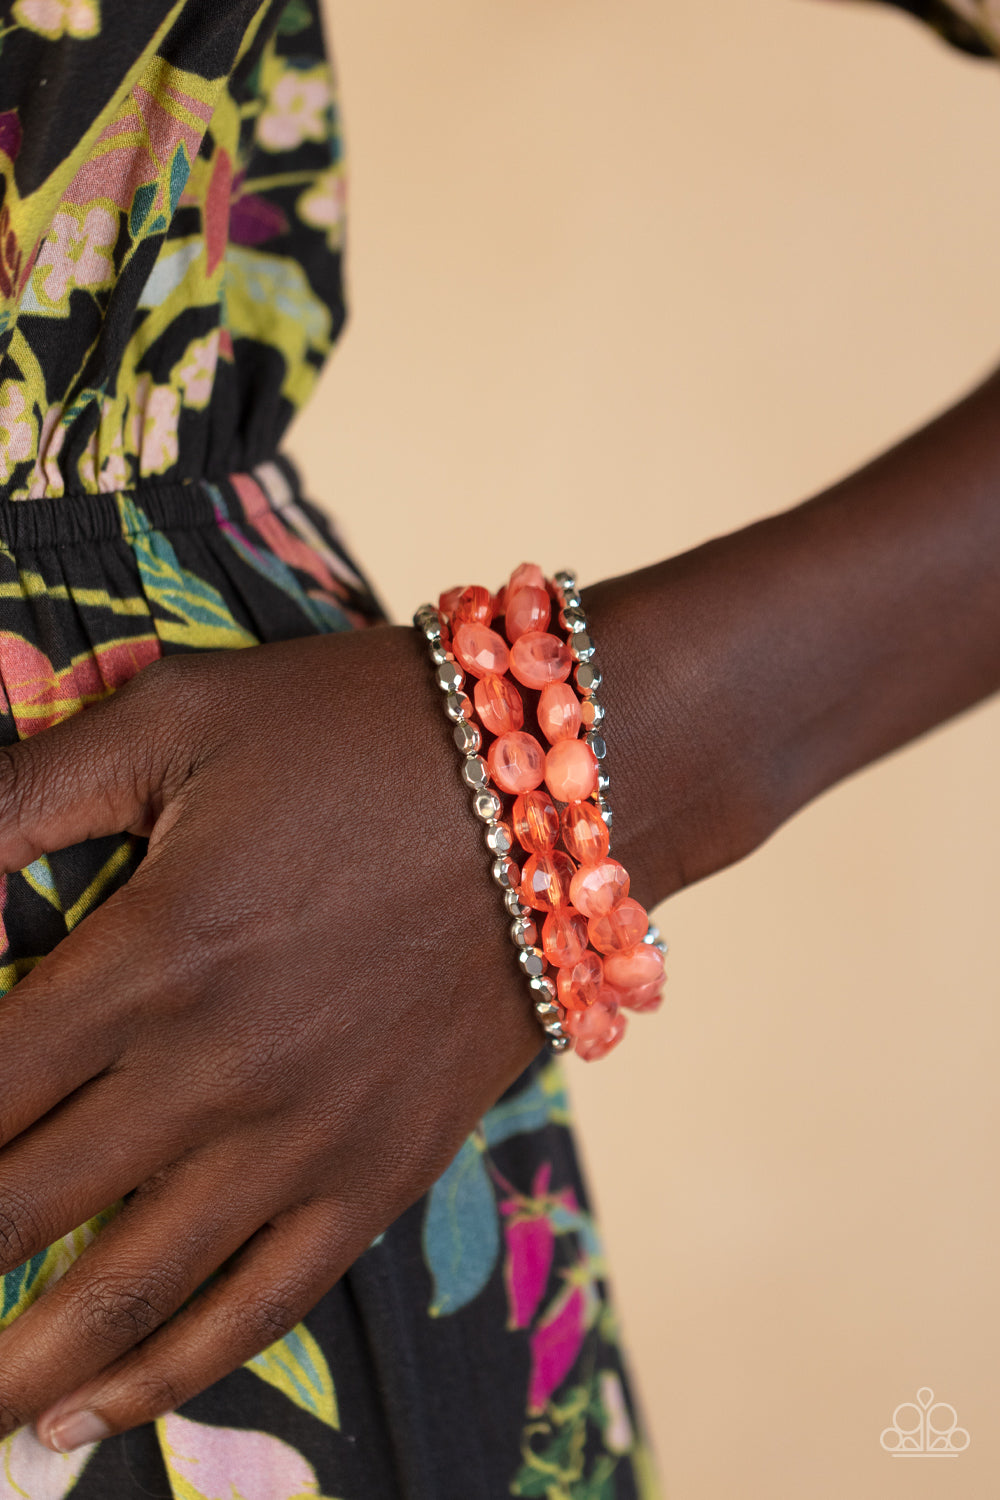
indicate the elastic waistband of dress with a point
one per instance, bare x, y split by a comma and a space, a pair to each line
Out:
73, 520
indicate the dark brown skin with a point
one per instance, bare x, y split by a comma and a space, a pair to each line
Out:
278, 1033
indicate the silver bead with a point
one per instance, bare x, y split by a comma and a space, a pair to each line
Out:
596, 743
524, 932
458, 706
533, 962
505, 873
547, 1010
450, 677
486, 805
440, 654
475, 773
424, 614
603, 781
604, 808
572, 620
558, 1043
581, 647
652, 933
543, 987
515, 906
431, 630
468, 739
588, 677
565, 579
499, 839
591, 712
553, 1028
571, 598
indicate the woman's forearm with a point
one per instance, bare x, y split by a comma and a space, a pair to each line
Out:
745, 677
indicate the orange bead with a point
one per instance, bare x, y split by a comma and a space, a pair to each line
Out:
528, 608
564, 937
640, 965
500, 603
481, 651
585, 833
498, 704
516, 761
595, 889
526, 575
535, 822
545, 881
474, 605
620, 928
571, 770
448, 600
537, 658
595, 1031
642, 997
579, 984
558, 712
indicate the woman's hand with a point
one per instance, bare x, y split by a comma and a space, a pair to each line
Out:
270, 1041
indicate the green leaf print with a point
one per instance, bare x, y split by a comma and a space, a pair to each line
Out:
142, 201
297, 1366
461, 1235
543, 1102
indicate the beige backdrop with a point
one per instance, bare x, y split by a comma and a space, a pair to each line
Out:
655, 269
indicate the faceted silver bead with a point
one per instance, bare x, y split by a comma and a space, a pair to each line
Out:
499, 838
515, 906
553, 1028
469, 740
424, 614
486, 805
663, 946
431, 630
592, 713
571, 598
458, 706
450, 677
533, 962
603, 781
543, 987
475, 773
652, 933
604, 808
572, 620
558, 1043
440, 654
505, 873
596, 743
524, 932
588, 677
547, 1010
565, 579
581, 647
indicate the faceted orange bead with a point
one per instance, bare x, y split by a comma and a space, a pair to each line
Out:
596, 1030
585, 833
564, 937
528, 608
448, 600
498, 704
579, 984
640, 965
538, 658
481, 651
527, 574
474, 605
571, 770
558, 712
535, 822
545, 881
642, 997
620, 928
516, 761
595, 889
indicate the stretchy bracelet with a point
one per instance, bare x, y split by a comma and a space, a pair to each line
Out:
605, 952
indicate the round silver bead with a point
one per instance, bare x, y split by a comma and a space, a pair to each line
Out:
468, 739
543, 987
596, 743
570, 598
565, 579
458, 706
486, 805
431, 630
499, 839
450, 677
505, 873
588, 677
604, 808
533, 962
558, 1043
572, 620
515, 906
475, 773
524, 932
592, 713
553, 1028
440, 654
581, 647
547, 1010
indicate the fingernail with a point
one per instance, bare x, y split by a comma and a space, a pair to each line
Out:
78, 1428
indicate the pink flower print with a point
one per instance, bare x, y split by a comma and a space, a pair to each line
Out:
46, 477
296, 110
76, 253
156, 411
16, 438
29, 1468
618, 1433
231, 1463
526, 1267
555, 1345
55, 18
324, 204
195, 374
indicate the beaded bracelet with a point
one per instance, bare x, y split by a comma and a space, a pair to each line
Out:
606, 952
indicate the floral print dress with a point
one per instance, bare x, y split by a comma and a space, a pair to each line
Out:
171, 228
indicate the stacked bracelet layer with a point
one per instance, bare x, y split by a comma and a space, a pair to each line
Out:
596, 952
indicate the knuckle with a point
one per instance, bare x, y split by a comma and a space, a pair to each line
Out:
16, 781
156, 1392
19, 1231
264, 1320
117, 1315
12, 1414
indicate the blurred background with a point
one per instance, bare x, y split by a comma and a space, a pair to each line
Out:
650, 270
